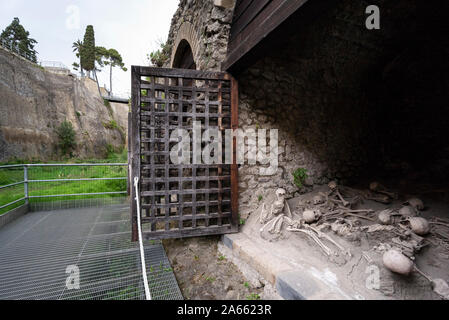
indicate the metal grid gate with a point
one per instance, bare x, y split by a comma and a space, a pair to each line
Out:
188, 199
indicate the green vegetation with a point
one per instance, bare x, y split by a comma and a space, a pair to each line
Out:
299, 176
87, 50
210, 279
93, 58
111, 125
109, 57
77, 45
259, 198
13, 175
106, 103
66, 135
246, 284
253, 296
130, 292
159, 57
221, 258
18, 40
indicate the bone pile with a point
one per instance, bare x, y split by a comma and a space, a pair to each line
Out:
337, 210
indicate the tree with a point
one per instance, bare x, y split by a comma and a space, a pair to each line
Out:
159, 57
76, 66
66, 135
88, 50
101, 53
77, 47
18, 40
112, 58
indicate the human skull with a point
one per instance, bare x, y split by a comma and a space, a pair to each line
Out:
385, 216
419, 225
375, 186
416, 203
408, 211
280, 194
318, 199
332, 185
397, 262
311, 216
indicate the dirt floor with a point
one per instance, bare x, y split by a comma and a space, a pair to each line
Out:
204, 274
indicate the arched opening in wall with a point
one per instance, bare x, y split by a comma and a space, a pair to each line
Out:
184, 56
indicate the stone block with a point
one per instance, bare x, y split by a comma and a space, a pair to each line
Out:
227, 4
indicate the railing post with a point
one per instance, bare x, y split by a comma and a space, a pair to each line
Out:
25, 184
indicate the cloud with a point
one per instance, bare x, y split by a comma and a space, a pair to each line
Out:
132, 27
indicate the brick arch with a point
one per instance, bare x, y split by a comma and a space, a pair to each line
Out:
188, 33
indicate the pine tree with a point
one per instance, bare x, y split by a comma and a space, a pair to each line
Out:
17, 39
88, 50
111, 58
114, 59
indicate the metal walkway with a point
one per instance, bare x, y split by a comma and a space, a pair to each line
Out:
37, 249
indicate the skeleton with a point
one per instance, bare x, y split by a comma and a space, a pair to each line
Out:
408, 211
416, 203
276, 207
378, 188
317, 200
333, 186
311, 216
317, 235
275, 219
378, 198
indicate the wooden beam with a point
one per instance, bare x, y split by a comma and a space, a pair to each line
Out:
135, 146
234, 167
269, 19
182, 73
253, 10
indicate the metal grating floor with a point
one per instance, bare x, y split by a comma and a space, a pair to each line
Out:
36, 249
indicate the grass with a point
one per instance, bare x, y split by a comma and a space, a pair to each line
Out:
253, 296
111, 125
299, 177
13, 175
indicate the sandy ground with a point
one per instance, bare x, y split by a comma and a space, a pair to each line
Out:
204, 274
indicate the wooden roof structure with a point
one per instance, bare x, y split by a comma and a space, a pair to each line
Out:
261, 24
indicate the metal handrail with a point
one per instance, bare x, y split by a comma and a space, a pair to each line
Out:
16, 50
27, 181
142, 254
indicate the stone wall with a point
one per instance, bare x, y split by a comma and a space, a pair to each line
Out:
34, 102
349, 103
205, 24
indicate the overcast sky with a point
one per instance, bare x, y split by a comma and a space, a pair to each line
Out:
133, 27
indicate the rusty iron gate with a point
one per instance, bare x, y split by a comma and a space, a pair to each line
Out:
181, 200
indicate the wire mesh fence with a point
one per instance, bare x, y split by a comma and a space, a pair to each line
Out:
36, 251
55, 186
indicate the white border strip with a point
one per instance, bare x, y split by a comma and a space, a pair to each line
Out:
142, 256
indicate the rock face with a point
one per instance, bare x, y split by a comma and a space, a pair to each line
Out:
206, 26
34, 102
